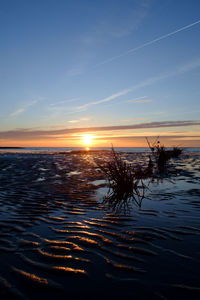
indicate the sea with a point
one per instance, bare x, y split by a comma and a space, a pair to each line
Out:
70, 149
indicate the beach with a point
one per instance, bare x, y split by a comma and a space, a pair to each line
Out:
58, 238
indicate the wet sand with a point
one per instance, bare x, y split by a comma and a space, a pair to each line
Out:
58, 239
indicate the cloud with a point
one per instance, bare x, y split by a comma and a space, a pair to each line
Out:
187, 67
140, 101
188, 138
17, 112
22, 109
134, 119
57, 109
75, 71
64, 101
149, 43
190, 66
26, 134
73, 121
107, 99
172, 137
117, 22
78, 120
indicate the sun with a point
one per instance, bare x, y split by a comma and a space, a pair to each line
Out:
87, 139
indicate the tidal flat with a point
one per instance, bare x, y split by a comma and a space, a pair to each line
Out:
58, 238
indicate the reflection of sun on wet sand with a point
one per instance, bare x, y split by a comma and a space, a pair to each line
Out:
59, 239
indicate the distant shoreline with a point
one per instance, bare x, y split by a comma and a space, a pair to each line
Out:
12, 148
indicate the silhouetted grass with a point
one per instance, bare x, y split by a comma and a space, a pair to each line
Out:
161, 154
125, 182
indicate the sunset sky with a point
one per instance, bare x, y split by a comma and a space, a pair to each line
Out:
117, 70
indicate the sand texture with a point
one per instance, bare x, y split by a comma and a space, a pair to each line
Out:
58, 239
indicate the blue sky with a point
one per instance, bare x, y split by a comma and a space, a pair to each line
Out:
80, 66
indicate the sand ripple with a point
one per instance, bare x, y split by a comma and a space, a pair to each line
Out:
57, 239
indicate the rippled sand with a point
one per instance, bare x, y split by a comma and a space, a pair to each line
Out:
58, 239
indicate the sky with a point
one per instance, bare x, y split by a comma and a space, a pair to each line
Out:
100, 72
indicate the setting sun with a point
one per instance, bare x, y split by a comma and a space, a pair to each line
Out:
87, 139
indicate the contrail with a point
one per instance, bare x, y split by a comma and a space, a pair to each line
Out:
148, 43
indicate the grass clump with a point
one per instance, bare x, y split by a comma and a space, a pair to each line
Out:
162, 155
125, 183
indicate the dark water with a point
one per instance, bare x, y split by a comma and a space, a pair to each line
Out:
69, 149
57, 239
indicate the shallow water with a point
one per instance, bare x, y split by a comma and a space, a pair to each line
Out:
58, 239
